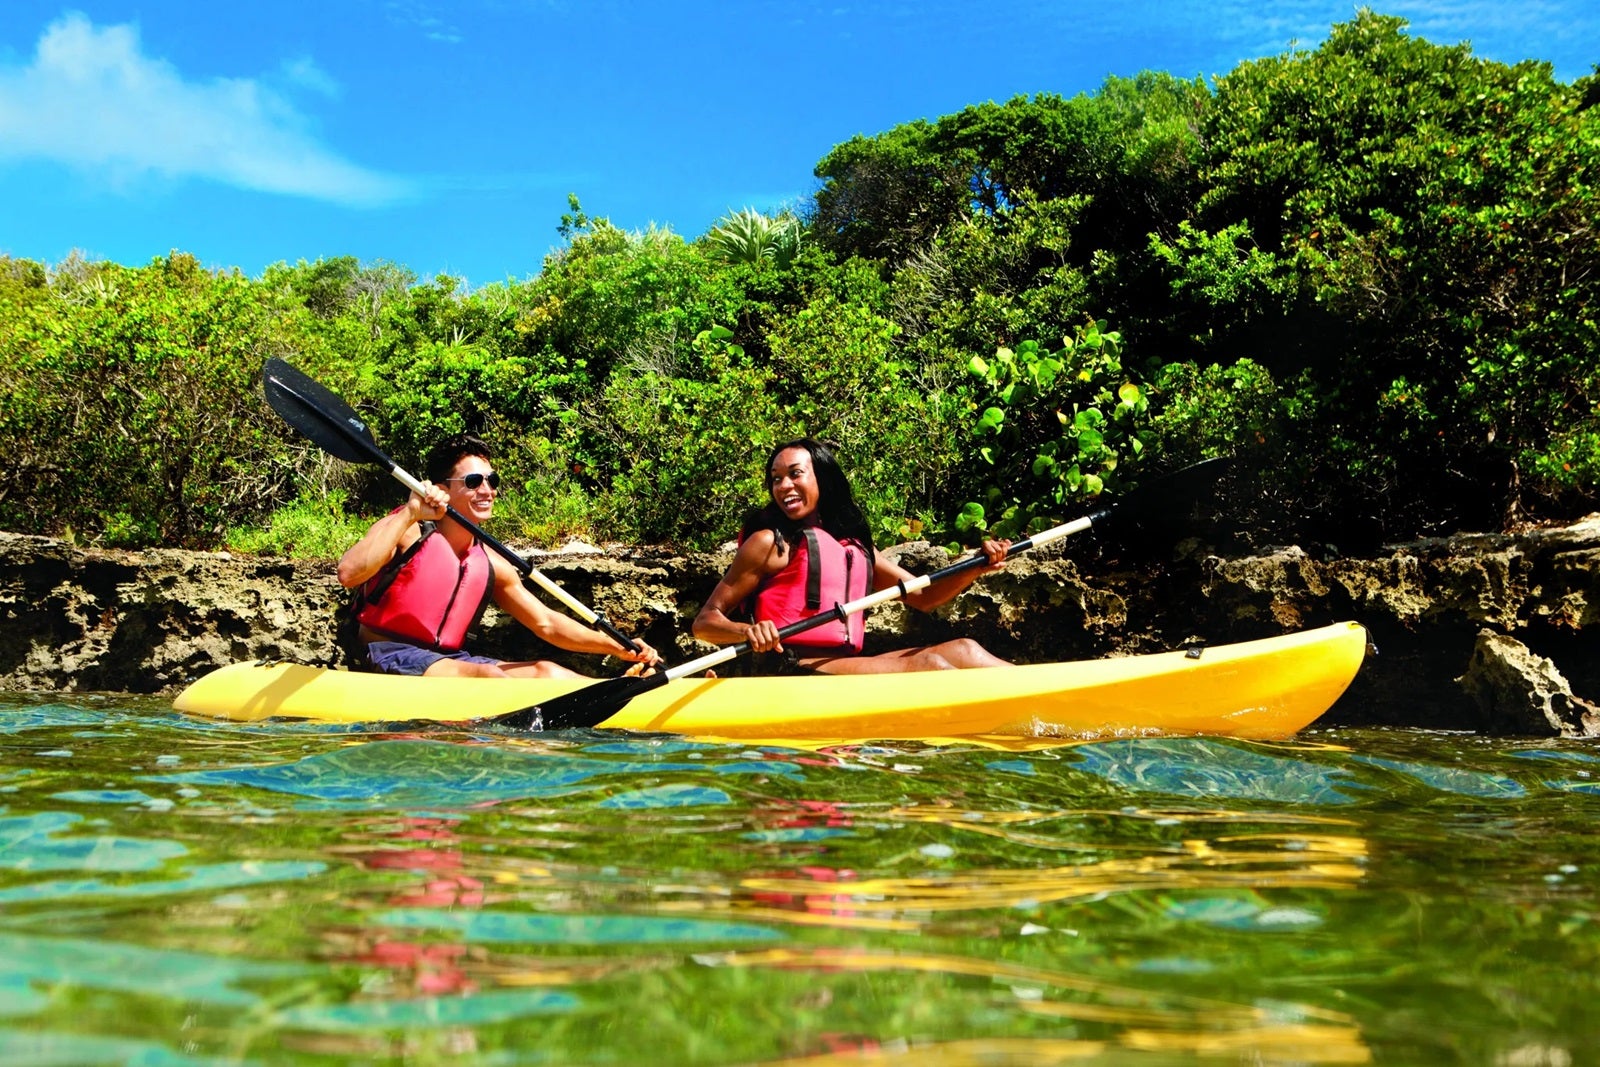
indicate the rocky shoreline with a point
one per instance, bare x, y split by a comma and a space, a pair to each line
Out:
1496, 634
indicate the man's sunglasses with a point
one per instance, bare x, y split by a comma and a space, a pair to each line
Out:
474, 480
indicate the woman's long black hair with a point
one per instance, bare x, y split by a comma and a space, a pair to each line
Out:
838, 512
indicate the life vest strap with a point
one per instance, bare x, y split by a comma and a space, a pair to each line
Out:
372, 591
813, 571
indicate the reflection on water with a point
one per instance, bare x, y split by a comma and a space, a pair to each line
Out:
1257, 860
1204, 767
1139, 1019
178, 891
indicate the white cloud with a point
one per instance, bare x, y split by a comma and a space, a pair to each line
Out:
420, 16
304, 72
92, 100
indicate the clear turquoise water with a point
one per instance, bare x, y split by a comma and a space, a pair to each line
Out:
176, 891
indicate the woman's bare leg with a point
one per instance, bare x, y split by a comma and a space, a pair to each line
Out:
961, 653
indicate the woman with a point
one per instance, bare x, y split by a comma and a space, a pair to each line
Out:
809, 549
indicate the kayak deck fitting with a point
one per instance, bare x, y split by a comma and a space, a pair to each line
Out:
1269, 688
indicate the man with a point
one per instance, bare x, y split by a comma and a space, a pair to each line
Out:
423, 580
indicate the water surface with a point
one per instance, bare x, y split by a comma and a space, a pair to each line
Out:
176, 891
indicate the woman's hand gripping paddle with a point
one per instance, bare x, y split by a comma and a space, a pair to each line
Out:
333, 426
593, 704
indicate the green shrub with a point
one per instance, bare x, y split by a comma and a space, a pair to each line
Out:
687, 449
1216, 410
314, 525
841, 379
1052, 430
542, 500
131, 399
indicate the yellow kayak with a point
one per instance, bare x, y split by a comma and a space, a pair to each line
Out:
1269, 688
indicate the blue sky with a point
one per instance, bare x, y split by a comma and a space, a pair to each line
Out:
445, 136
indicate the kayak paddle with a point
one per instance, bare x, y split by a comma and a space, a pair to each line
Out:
332, 425
593, 704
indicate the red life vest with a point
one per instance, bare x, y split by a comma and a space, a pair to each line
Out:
427, 595
821, 572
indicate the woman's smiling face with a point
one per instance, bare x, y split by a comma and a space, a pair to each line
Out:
792, 481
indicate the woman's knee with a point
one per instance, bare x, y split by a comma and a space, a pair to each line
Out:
964, 652
933, 659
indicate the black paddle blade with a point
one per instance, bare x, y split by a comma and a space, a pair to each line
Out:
581, 708
1171, 494
318, 414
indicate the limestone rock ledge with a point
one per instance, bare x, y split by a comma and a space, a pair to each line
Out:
151, 621
1522, 693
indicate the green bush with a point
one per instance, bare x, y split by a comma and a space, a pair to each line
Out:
131, 399
688, 448
542, 499
1217, 410
313, 525
1053, 429
1405, 231
840, 378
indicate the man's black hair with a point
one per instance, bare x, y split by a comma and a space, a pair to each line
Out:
443, 456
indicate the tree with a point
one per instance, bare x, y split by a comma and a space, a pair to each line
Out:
751, 238
1403, 232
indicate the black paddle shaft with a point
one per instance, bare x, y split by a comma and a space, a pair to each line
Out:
328, 422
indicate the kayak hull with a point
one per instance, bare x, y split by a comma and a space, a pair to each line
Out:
1269, 688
